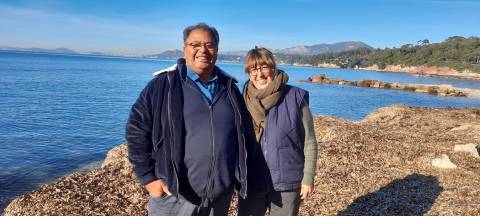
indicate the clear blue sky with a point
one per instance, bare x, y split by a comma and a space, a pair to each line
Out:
153, 26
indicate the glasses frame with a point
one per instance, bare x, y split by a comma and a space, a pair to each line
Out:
265, 70
211, 46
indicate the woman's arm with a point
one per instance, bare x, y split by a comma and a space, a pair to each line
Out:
310, 150
310, 147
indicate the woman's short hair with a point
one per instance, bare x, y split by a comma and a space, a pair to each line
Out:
258, 57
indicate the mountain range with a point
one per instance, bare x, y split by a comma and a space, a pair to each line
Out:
323, 48
54, 51
238, 55
169, 54
296, 50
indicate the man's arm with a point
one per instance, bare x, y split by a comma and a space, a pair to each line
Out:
139, 137
139, 142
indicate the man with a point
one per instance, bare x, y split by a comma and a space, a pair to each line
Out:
185, 133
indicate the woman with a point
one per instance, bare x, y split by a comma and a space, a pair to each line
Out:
281, 167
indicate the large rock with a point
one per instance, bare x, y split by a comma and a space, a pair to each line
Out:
367, 83
422, 89
318, 78
409, 87
442, 90
443, 162
469, 148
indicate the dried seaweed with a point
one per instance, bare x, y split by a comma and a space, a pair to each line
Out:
378, 166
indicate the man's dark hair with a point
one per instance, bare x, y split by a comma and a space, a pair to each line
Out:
203, 26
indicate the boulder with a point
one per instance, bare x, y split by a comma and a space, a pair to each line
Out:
422, 89
397, 86
367, 83
444, 90
409, 88
443, 162
318, 78
469, 148
433, 90
458, 94
334, 81
351, 83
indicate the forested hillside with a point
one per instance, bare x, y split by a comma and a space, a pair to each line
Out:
456, 52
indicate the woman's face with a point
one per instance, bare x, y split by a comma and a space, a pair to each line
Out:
261, 76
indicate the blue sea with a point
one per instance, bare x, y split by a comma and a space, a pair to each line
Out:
62, 113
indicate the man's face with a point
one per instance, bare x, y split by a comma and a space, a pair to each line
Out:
200, 51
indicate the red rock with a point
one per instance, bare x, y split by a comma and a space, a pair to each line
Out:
367, 83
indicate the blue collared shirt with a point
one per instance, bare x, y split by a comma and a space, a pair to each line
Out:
207, 89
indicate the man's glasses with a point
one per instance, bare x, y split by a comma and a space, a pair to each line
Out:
198, 45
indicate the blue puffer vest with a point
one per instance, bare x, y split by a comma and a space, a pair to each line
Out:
283, 140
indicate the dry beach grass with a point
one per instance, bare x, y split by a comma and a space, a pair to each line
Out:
378, 166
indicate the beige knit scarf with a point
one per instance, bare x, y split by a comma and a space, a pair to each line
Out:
259, 101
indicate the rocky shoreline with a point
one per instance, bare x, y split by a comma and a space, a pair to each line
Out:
382, 165
429, 71
425, 71
440, 90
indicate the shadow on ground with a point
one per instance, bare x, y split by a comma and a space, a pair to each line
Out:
413, 195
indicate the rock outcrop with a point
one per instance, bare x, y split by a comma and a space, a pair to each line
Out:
378, 166
440, 90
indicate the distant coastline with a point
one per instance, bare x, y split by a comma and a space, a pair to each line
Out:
73, 53
430, 71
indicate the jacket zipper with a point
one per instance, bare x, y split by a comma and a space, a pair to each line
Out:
172, 134
211, 169
213, 162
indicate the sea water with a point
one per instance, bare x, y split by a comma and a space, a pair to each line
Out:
62, 113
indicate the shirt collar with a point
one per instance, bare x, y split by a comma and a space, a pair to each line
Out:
194, 76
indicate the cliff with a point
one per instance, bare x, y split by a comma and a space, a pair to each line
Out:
381, 165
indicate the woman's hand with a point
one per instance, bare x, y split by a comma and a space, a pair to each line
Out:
306, 191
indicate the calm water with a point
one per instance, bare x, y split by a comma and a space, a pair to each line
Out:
63, 113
